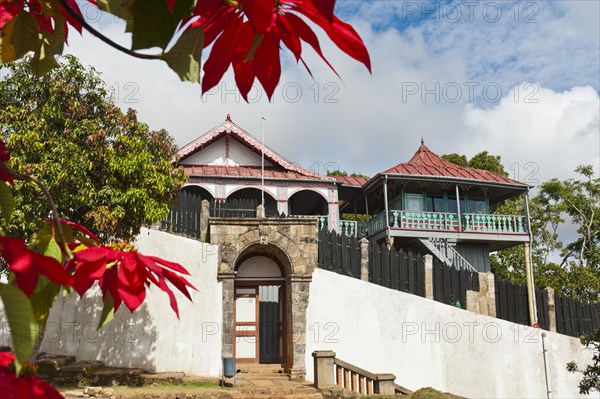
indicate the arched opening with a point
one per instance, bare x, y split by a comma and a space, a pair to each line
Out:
200, 192
260, 305
250, 198
307, 202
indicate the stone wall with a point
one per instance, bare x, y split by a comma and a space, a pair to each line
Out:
292, 243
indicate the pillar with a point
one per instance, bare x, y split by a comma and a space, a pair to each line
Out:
386, 384
324, 369
429, 277
297, 304
364, 259
227, 280
551, 309
204, 215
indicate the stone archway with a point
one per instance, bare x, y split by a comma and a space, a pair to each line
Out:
293, 243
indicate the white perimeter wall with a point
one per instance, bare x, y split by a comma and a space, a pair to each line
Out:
152, 337
426, 343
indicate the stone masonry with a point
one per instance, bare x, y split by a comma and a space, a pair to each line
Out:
293, 244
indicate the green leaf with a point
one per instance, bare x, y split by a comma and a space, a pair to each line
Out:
154, 25
184, 56
118, 8
7, 202
19, 314
53, 250
43, 242
25, 35
7, 50
51, 45
42, 300
108, 311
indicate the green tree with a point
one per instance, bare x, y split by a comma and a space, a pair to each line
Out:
484, 160
457, 159
104, 169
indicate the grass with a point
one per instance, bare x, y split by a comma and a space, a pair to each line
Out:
188, 387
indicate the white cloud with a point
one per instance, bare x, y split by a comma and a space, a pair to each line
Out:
540, 140
371, 122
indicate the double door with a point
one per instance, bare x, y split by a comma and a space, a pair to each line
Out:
258, 325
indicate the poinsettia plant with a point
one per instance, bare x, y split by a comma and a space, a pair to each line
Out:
64, 256
247, 35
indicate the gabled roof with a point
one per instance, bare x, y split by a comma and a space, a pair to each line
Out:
427, 163
283, 168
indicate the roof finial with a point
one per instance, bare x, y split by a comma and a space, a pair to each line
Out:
422, 141
228, 118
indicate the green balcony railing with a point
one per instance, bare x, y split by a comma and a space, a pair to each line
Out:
494, 223
448, 222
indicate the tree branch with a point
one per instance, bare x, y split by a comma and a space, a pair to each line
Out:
55, 216
105, 39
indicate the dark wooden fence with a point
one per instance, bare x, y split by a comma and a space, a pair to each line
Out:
398, 269
339, 253
576, 318
234, 208
184, 217
450, 284
573, 318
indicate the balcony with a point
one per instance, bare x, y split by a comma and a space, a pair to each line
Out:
450, 225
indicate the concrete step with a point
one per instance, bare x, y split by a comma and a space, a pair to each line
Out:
260, 368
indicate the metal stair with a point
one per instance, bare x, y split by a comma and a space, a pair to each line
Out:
441, 249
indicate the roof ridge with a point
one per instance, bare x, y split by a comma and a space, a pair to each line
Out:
245, 137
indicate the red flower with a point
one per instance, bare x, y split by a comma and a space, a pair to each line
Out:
23, 386
125, 275
257, 25
28, 265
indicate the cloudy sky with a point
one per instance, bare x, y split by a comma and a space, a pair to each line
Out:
518, 79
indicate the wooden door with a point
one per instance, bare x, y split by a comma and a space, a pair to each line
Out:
245, 310
269, 323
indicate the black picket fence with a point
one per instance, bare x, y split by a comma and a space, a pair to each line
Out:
573, 317
184, 217
339, 253
450, 284
398, 269
234, 208
576, 318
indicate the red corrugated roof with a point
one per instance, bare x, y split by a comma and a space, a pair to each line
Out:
352, 181
245, 171
427, 163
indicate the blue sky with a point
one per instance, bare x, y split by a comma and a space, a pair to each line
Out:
518, 79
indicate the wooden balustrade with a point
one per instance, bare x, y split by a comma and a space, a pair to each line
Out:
330, 371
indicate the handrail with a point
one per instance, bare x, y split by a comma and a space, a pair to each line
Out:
452, 254
359, 380
481, 222
443, 221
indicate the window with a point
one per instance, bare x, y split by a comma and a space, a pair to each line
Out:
477, 205
414, 202
452, 206
435, 203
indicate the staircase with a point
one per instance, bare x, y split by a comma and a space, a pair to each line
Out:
264, 381
441, 249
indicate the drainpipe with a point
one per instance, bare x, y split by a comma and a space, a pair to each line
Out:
387, 213
546, 367
458, 209
529, 270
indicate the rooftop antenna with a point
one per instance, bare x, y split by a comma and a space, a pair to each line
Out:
262, 162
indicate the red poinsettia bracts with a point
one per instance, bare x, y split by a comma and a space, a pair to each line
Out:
125, 274
29, 265
23, 386
249, 37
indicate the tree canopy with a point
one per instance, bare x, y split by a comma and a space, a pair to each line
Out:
482, 160
104, 168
